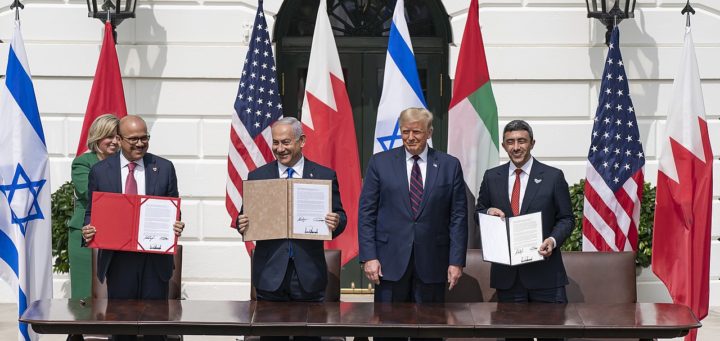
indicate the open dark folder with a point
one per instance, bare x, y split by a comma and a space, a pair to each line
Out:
116, 218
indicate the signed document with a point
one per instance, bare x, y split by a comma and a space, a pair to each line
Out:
136, 223
310, 205
155, 227
511, 241
287, 208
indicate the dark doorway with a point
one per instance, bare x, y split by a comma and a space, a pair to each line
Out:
361, 28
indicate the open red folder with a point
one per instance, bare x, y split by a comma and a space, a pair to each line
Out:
116, 218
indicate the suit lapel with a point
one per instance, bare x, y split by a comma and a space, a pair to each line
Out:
431, 172
400, 167
534, 182
273, 172
308, 170
151, 172
113, 166
504, 176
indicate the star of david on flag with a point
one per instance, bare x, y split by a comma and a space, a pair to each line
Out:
23, 191
388, 142
25, 230
401, 84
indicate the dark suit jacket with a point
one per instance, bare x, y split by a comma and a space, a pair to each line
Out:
160, 180
387, 229
270, 259
546, 192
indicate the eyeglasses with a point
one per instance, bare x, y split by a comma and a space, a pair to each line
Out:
136, 139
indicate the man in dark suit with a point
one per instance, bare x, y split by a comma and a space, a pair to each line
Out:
292, 269
412, 229
133, 275
523, 186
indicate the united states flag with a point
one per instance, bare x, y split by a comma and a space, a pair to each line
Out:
614, 180
257, 107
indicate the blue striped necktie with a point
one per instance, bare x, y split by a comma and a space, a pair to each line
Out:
416, 186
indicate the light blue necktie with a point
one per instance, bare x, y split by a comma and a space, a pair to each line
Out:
290, 173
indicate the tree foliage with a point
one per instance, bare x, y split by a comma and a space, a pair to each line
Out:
63, 204
647, 216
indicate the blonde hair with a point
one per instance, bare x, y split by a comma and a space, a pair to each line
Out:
104, 126
415, 115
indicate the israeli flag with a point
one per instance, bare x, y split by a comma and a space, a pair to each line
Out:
401, 84
25, 231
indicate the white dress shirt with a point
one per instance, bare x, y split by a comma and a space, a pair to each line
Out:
138, 173
422, 163
298, 168
524, 176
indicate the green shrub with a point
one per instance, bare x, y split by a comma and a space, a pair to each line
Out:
647, 214
63, 204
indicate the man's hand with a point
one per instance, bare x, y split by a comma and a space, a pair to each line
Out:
496, 212
242, 223
546, 248
332, 220
454, 274
179, 226
373, 271
88, 233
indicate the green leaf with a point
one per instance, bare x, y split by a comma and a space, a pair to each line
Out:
62, 206
647, 216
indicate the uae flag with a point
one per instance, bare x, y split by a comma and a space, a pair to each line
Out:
106, 96
683, 208
328, 124
473, 119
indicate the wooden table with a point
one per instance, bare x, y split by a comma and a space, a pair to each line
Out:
190, 317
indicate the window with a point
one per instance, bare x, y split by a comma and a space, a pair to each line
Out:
361, 18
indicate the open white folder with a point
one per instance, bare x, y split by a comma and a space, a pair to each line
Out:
511, 241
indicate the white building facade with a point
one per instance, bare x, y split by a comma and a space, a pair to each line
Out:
181, 61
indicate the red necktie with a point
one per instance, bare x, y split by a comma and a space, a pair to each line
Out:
130, 183
416, 186
515, 197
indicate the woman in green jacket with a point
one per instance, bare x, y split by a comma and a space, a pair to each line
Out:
103, 140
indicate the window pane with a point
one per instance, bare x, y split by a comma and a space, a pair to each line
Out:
362, 18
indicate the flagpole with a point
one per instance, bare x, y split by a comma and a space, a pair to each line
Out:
687, 10
17, 5
684, 189
24, 218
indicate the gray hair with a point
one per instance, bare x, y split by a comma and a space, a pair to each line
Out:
294, 123
104, 126
517, 125
415, 115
